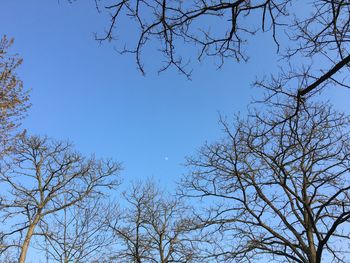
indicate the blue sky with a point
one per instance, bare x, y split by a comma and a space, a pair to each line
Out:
89, 94
96, 98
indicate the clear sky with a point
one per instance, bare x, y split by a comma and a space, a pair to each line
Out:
89, 94
93, 96
96, 98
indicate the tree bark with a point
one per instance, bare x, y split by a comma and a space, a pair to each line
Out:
27, 239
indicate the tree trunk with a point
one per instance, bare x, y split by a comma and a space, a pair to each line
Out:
27, 239
310, 236
312, 255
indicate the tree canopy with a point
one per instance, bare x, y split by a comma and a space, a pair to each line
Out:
302, 32
14, 98
279, 191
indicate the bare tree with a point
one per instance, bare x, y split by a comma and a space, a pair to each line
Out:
153, 228
44, 177
277, 191
78, 233
222, 29
13, 97
218, 28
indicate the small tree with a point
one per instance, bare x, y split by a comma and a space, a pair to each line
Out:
13, 97
152, 228
44, 177
278, 190
78, 233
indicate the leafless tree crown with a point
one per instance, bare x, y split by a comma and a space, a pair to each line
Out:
153, 228
277, 190
223, 28
41, 178
78, 233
